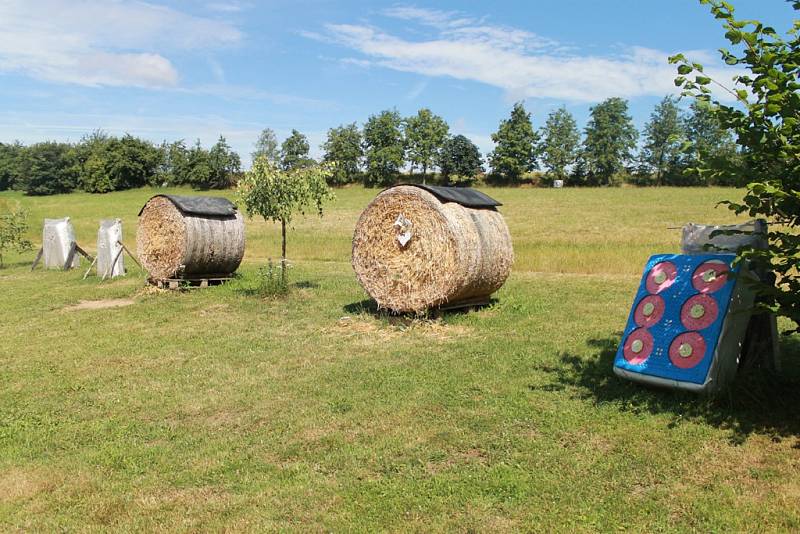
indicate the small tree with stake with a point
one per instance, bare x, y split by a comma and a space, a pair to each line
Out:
13, 225
276, 195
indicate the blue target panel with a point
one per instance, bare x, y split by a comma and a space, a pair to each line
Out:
686, 324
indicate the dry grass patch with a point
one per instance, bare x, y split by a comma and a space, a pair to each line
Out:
22, 484
101, 304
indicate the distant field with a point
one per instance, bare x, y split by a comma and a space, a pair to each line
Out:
214, 409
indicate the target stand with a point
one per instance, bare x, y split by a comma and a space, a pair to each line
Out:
688, 323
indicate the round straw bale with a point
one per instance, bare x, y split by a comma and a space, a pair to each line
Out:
412, 251
174, 244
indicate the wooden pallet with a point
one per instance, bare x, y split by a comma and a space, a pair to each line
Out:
468, 303
190, 283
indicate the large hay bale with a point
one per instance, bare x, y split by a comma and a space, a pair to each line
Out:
416, 248
189, 237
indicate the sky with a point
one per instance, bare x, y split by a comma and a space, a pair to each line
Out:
181, 69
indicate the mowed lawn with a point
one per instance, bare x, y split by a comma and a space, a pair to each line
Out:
218, 410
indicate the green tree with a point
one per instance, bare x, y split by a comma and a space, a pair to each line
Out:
224, 165
198, 164
276, 194
344, 152
425, 133
13, 226
267, 145
516, 146
460, 161
560, 143
708, 141
609, 139
10, 157
664, 135
116, 164
174, 168
766, 122
46, 169
294, 151
383, 148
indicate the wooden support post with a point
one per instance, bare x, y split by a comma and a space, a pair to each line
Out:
70, 256
38, 257
89, 269
129, 253
110, 271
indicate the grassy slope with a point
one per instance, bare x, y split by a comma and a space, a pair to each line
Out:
213, 408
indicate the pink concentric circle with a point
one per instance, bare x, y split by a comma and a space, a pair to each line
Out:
638, 346
687, 350
699, 312
660, 277
710, 276
649, 311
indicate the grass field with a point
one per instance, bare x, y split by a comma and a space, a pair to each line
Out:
218, 410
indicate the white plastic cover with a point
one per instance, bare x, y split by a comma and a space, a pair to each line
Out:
58, 237
558, 184
109, 237
696, 237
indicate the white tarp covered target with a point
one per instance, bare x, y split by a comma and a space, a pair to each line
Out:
109, 248
58, 237
697, 238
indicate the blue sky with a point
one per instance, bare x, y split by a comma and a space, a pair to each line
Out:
193, 69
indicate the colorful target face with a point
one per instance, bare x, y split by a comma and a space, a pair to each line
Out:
699, 312
649, 311
661, 277
638, 347
710, 276
677, 320
687, 350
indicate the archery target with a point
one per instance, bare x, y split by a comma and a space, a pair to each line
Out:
699, 312
649, 311
638, 347
687, 350
661, 277
710, 276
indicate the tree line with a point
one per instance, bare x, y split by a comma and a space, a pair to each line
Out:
100, 163
390, 148
674, 142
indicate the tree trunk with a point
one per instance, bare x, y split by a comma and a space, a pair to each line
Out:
283, 250
424, 173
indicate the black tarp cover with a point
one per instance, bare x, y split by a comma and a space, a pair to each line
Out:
465, 196
202, 206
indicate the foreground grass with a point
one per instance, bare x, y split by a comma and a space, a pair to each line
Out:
214, 409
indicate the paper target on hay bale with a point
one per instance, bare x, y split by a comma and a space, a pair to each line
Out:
687, 322
421, 247
189, 237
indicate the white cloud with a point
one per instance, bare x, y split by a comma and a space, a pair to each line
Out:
96, 42
523, 64
228, 7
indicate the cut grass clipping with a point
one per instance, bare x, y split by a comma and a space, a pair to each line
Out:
412, 252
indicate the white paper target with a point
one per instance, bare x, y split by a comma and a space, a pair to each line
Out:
109, 237
58, 236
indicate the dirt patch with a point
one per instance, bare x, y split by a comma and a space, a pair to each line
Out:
359, 325
99, 304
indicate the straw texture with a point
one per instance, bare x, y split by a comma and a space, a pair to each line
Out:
171, 244
454, 253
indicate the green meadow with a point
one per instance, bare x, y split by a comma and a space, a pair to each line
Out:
215, 409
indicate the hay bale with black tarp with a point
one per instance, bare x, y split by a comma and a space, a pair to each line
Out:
188, 237
420, 247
